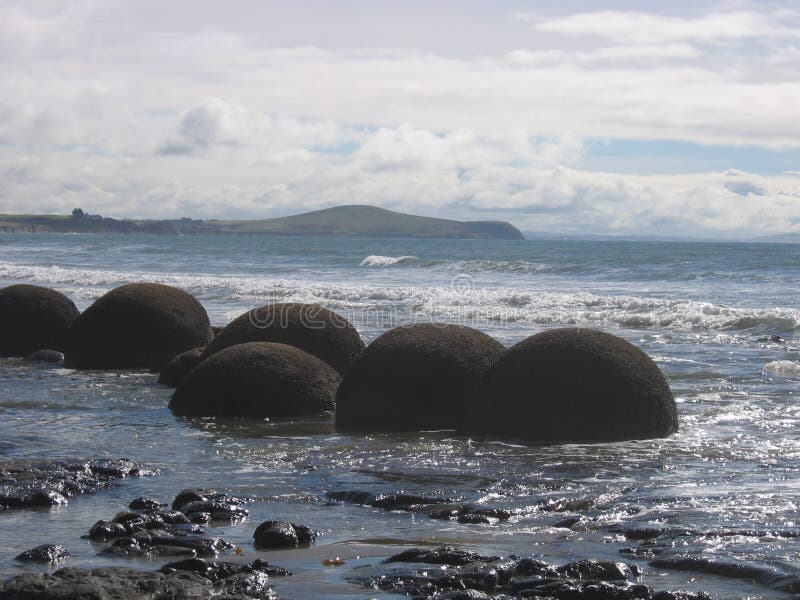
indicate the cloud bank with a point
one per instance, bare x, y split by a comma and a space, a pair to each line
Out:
127, 110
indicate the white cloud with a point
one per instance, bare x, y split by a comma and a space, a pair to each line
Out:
647, 28
137, 109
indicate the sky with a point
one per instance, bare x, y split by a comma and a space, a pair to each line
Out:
666, 119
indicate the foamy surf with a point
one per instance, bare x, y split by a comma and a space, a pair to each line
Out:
784, 368
376, 260
480, 307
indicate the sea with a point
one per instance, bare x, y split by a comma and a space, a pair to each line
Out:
720, 319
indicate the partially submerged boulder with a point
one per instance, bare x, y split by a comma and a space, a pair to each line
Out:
423, 376
318, 331
277, 535
45, 356
138, 325
32, 318
574, 385
257, 379
176, 369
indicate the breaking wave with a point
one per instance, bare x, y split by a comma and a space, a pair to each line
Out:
376, 260
785, 368
469, 305
478, 265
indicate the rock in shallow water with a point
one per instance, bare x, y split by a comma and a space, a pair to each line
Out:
145, 504
138, 325
45, 356
47, 553
309, 327
465, 575
26, 484
423, 376
257, 379
179, 366
275, 534
33, 317
574, 385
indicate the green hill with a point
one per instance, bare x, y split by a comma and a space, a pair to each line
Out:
363, 220
340, 221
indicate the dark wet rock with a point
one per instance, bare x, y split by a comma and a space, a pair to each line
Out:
559, 505
464, 574
529, 567
605, 570
47, 553
423, 376
32, 318
722, 567
772, 339
179, 365
275, 534
27, 484
220, 570
447, 513
445, 555
436, 507
202, 544
159, 533
309, 327
669, 595
493, 513
170, 517
202, 506
579, 590
352, 496
568, 523
428, 582
218, 510
577, 385
46, 356
257, 380
201, 518
138, 325
220, 581
167, 543
463, 595
187, 496
649, 532
145, 504
402, 501
473, 519
106, 530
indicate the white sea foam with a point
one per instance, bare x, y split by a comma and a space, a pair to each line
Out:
376, 260
502, 266
471, 305
785, 368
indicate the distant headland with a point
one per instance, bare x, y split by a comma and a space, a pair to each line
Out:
339, 221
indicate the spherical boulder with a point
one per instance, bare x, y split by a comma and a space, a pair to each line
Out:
33, 318
176, 369
257, 379
422, 376
318, 331
136, 325
574, 385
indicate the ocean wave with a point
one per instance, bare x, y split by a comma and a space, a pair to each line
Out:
376, 260
478, 265
476, 306
785, 368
